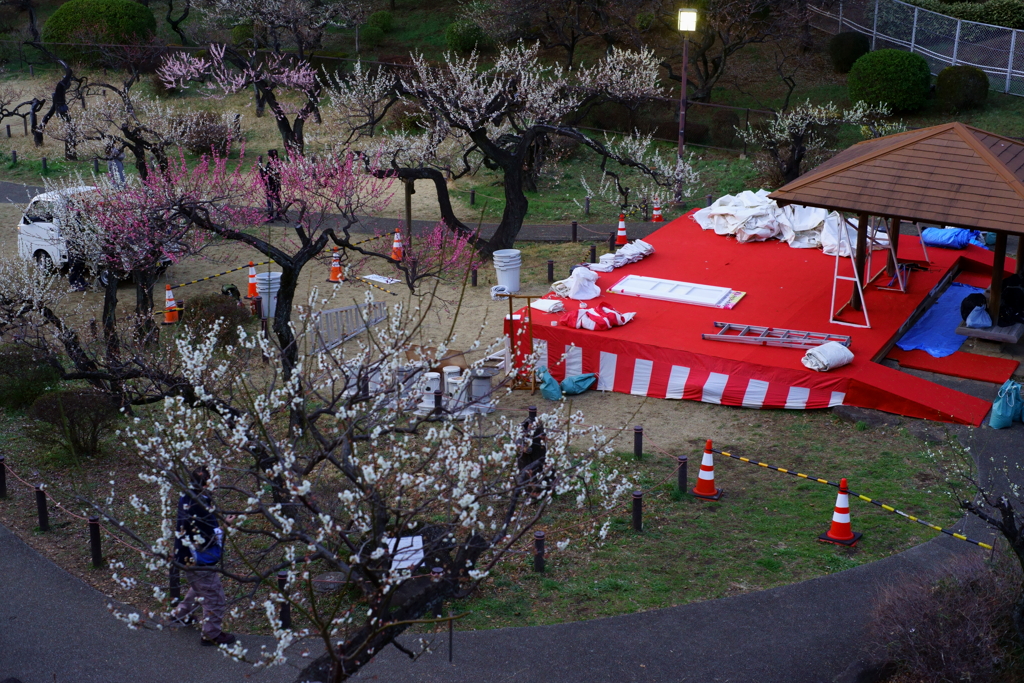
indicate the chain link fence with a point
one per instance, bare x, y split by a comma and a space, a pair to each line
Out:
942, 40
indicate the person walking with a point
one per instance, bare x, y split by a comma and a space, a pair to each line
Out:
271, 176
199, 547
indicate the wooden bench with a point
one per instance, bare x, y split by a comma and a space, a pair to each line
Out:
1007, 335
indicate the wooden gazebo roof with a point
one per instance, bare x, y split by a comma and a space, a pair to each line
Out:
951, 174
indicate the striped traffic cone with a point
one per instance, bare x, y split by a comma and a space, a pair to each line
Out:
396, 246
656, 216
335, 275
252, 282
706, 477
620, 238
170, 308
841, 533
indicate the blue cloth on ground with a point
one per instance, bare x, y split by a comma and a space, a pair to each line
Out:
549, 387
578, 384
935, 332
951, 238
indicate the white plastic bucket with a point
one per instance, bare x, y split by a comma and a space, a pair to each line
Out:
450, 372
267, 286
507, 254
508, 277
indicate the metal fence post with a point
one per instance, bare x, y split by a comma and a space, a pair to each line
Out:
874, 27
638, 511
913, 31
682, 461
551, 270
1009, 62
638, 442
575, 227
538, 548
956, 41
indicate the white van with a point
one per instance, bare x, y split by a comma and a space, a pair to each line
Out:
39, 235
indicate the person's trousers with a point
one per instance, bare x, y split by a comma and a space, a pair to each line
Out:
204, 587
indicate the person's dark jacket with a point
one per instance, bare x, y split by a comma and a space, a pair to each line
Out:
199, 524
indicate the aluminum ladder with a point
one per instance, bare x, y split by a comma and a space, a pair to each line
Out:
773, 336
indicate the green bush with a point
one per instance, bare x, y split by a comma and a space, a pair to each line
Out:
846, 48
74, 419
959, 88
382, 20
23, 378
203, 311
893, 77
465, 36
119, 22
370, 36
1008, 13
242, 36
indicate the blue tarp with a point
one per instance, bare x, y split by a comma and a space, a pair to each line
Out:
951, 238
935, 332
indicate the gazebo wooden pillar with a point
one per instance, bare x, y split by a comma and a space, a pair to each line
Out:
998, 263
860, 259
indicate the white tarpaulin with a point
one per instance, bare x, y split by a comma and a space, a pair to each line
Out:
752, 217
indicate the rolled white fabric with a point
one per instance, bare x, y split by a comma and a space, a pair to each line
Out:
828, 356
548, 305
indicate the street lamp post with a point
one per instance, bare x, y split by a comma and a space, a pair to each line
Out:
687, 23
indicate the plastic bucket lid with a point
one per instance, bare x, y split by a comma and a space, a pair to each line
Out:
504, 253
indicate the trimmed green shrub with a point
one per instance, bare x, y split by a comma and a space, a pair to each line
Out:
119, 22
465, 36
962, 87
382, 20
893, 77
74, 419
370, 36
203, 311
243, 36
846, 48
23, 378
1008, 13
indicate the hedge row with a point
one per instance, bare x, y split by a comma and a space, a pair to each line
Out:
1009, 13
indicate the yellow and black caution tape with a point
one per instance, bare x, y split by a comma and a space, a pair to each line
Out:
375, 286
226, 272
887, 508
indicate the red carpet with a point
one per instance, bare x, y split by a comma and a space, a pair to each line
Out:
960, 364
661, 353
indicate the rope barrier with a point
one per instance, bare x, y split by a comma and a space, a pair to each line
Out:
887, 508
226, 272
367, 282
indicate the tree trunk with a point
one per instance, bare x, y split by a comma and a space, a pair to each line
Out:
145, 280
516, 206
110, 315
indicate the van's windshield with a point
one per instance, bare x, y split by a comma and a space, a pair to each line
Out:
39, 212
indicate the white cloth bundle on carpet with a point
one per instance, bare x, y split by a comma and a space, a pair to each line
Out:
600, 318
497, 291
632, 252
753, 217
828, 356
581, 285
601, 267
548, 305
833, 241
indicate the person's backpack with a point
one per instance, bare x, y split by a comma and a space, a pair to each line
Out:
211, 555
1007, 407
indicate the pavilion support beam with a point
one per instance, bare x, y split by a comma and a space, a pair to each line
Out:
998, 264
894, 240
1020, 255
860, 259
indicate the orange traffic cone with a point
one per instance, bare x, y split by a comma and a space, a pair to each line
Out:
620, 238
706, 477
841, 532
252, 282
656, 214
396, 246
170, 308
335, 275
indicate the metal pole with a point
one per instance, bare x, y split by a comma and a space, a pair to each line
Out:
551, 270
472, 197
574, 228
840, 16
998, 264
682, 93
94, 542
44, 515
586, 206
538, 551
472, 277
638, 442
286, 608
874, 27
638, 511
593, 253
913, 31
96, 166
1009, 62
956, 41
410, 190
531, 413
3, 475
682, 461
611, 242
437, 401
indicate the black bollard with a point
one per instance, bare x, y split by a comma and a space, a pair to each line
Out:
638, 511
575, 227
593, 253
44, 165
538, 551
14, 156
437, 401
532, 413
708, 198
8, 130
44, 515
551, 270
175, 585
31, 71
96, 166
436, 574
94, 542
682, 460
638, 442
25, 125
586, 206
472, 197
611, 241
472, 277
3, 477
286, 608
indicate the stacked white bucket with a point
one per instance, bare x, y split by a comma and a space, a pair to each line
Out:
507, 263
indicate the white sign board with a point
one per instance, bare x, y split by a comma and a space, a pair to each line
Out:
671, 290
409, 554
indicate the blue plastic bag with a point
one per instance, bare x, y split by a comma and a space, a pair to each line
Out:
1007, 408
549, 387
979, 318
949, 238
578, 384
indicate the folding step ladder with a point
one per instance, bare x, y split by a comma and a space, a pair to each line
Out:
773, 336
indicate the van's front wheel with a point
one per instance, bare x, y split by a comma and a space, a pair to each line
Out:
43, 261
